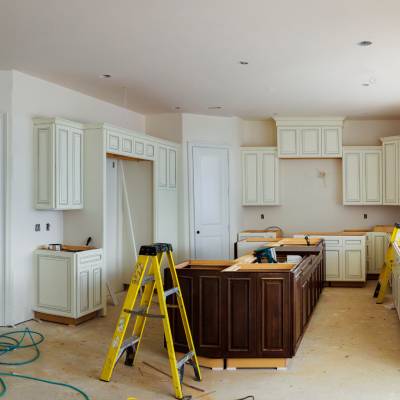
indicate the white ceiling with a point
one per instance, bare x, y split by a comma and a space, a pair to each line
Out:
303, 58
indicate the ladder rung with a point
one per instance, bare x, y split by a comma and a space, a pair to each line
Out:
147, 279
129, 342
141, 311
184, 359
171, 291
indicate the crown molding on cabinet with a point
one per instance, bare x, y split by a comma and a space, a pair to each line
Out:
309, 121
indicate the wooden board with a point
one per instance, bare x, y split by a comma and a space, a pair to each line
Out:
64, 320
261, 239
124, 158
384, 228
65, 247
299, 241
256, 362
264, 267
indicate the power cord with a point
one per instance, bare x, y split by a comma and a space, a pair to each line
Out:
14, 341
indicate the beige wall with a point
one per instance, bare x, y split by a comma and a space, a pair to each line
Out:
309, 202
165, 126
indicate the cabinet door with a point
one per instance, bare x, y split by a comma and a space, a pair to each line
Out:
390, 173
44, 166
127, 145
240, 326
269, 177
139, 147
162, 168
250, 176
372, 173
97, 282
310, 142
287, 142
113, 142
149, 151
380, 246
83, 291
334, 264
331, 142
354, 266
273, 316
172, 168
297, 310
62, 167
76, 171
352, 178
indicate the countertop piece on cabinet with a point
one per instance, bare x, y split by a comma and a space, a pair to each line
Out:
340, 233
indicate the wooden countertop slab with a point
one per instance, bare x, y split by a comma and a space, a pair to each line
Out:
259, 267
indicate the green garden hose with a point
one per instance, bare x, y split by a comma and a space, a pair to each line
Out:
14, 340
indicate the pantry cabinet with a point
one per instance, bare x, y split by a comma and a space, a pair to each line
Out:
260, 176
391, 165
309, 137
69, 284
362, 175
58, 161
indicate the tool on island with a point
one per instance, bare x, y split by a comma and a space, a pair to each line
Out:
387, 267
148, 274
265, 254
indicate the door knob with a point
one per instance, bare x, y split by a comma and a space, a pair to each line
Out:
197, 232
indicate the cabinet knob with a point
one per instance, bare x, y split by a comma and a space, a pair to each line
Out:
197, 232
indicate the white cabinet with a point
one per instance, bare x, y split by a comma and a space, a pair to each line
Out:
362, 175
345, 257
309, 137
166, 167
378, 243
260, 176
69, 284
58, 154
391, 165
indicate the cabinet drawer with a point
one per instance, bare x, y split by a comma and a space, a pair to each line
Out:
89, 259
353, 242
113, 142
333, 242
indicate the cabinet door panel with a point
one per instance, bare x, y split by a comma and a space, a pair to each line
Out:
76, 168
273, 316
113, 142
310, 143
171, 169
390, 174
139, 147
333, 264
331, 142
83, 291
127, 145
150, 150
241, 316
353, 265
45, 167
97, 286
380, 247
62, 166
162, 166
352, 170
287, 142
250, 178
373, 177
269, 184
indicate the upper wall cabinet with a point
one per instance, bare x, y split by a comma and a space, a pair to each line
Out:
260, 176
362, 175
391, 165
58, 155
309, 137
125, 143
166, 167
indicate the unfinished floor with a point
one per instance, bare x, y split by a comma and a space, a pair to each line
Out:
351, 350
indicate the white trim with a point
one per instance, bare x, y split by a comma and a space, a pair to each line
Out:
190, 146
309, 121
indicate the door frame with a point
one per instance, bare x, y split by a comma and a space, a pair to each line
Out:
5, 272
190, 147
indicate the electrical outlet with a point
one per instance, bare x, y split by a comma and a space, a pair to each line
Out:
262, 216
37, 227
47, 226
365, 216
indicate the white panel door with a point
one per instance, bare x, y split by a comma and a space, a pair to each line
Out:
353, 265
269, 178
287, 142
250, 178
331, 142
352, 171
372, 177
62, 167
210, 166
334, 264
390, 173
310, 142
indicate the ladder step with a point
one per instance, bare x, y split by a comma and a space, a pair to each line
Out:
129, 342
147, 279
171, 291
184, 359
141, 311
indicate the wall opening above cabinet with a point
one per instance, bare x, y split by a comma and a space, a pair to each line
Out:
309, 137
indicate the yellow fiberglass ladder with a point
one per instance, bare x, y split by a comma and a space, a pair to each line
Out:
387, 268
149, 276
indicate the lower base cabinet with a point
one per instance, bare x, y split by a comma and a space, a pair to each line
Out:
247, 314
69, 284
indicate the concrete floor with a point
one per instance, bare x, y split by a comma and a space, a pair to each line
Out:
351, 350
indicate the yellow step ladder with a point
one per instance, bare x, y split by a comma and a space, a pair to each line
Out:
149, 276
387, 268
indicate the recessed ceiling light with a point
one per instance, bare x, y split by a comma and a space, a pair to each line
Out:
366, 84
105, 76
365, 43
243, 62
215, 107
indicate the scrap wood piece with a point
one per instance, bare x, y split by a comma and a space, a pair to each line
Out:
167, 374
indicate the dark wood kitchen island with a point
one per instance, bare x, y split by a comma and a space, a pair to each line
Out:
243, 314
